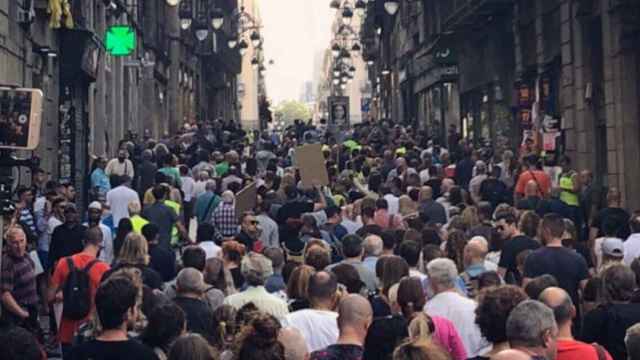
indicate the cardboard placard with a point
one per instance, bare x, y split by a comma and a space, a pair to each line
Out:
310, 162
246, 199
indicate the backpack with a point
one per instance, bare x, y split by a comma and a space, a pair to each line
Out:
77, 291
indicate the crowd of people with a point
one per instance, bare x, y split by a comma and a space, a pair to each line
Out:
412, 251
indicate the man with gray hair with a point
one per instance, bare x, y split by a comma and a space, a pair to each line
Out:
632, 342
449, 304
372, 250
256, 268
564, 312
531, 331
206, 203
190, 290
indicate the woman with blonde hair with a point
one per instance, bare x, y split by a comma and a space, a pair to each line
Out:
470, 217
297, 287
420, 350
135, 254
407, 206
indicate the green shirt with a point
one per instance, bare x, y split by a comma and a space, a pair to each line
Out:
174, 173
222, 169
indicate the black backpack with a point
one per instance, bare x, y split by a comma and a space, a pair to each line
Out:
77, 291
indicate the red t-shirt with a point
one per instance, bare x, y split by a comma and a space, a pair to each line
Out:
69, 327
541, 178
577, 350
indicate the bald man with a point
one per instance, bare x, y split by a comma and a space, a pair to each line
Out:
564, 311
295, 348
531, 198
354, 318
474, 258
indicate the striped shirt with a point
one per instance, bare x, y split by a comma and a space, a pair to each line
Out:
19, 279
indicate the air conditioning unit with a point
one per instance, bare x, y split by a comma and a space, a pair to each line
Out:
25, 17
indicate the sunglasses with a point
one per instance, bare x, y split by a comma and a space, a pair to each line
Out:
254, 222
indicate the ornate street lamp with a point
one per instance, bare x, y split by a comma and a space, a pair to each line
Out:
255, 39
360, 7
173, 3
347, 14
201, 27
242, 47
232, 43
185, 12
217, 19
335, 50
391, 6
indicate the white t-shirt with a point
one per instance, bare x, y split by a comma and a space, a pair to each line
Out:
318, 327
188, 188
211, 249
394, 203
118, 200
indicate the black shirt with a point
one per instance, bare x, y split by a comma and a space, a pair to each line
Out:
530, 203
112, 350
66, 241
510, 251
607, 325
238, 279
495, 192
200, 318
163, 262
245, 239
434, 212
618, 218
384, 334
338, 352
567, 266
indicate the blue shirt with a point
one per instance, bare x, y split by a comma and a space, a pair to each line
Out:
370, 263
100, 180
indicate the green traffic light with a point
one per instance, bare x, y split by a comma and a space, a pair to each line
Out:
120, 40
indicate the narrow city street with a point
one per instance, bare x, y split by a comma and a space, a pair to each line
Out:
319, 179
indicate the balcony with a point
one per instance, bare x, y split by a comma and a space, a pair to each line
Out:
465, 14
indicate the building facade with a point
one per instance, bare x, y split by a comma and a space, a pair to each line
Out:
564, 73
93, 99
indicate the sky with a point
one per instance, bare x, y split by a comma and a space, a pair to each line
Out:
294, 32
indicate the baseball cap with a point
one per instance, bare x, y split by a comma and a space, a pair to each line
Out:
95, 205
613, 247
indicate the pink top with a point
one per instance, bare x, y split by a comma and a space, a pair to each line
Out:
386, 221
447, 336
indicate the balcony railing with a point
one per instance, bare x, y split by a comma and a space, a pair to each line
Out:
465, 13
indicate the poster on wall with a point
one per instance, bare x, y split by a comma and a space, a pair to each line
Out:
339, 111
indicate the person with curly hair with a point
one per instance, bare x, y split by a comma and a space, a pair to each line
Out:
166, 323
494, 306
259, 340
232, 253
